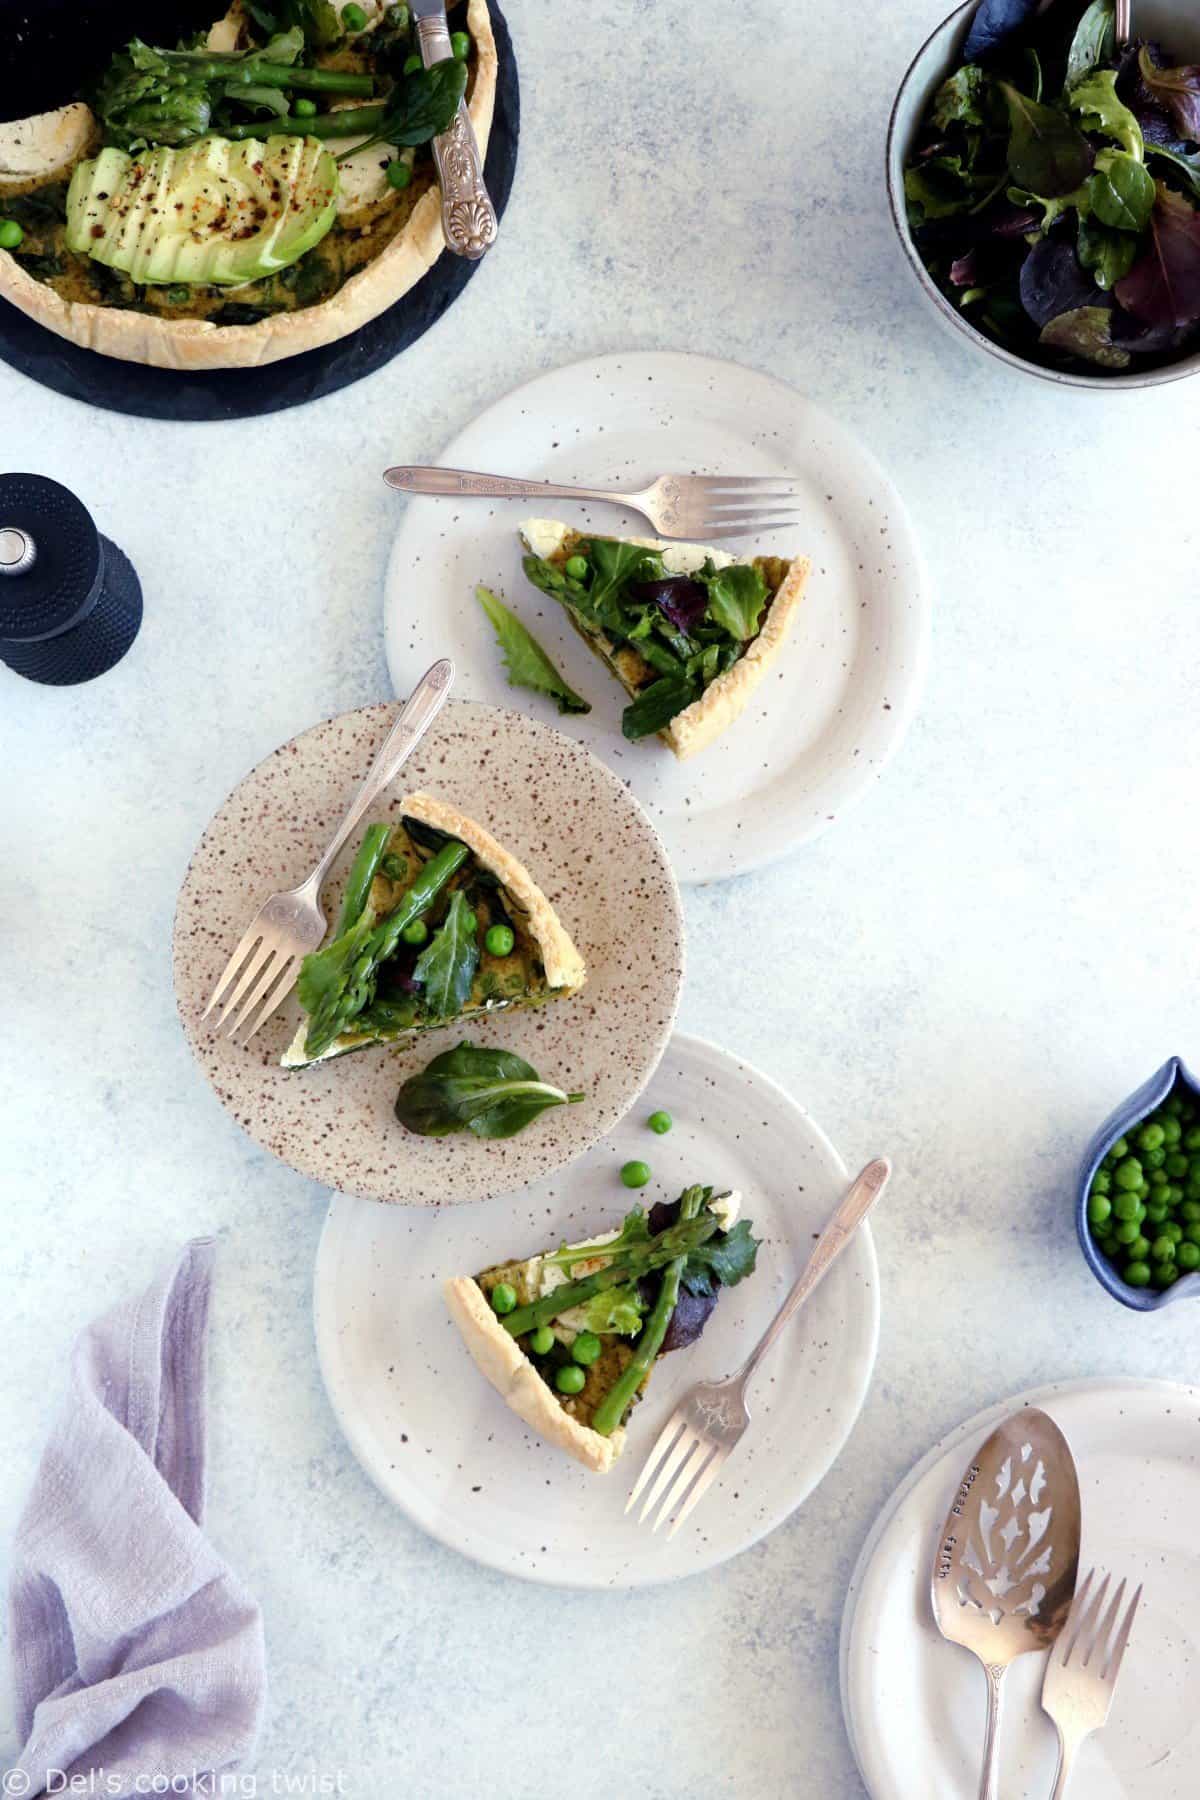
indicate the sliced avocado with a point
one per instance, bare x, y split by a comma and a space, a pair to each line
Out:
216, 213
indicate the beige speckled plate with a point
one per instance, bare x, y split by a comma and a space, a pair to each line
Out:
585, 841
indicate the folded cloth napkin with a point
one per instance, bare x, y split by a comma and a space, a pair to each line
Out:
137, 1651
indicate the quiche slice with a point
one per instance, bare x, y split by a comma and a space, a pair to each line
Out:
689, 632
568, 1337
439, 923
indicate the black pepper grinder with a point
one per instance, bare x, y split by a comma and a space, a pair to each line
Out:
70, 600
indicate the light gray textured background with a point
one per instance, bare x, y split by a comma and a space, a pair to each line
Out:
967, 972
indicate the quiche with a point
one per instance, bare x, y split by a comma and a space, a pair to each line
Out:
568, 1337
689, 632
223, 223
439, 923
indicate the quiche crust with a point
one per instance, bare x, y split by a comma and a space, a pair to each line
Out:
195, 344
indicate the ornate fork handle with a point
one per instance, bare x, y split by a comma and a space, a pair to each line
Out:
469, 221
413, 478
832, 1241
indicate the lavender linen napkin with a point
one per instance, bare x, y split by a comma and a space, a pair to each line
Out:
136, 1650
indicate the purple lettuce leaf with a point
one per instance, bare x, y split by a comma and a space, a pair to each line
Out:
1163, 287
1174, 91
1053, 281
677, 597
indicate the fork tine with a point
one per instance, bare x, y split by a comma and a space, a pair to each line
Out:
1104, 1631
1087, 1624
249, 941
695, 1460
259, 957
1112, 1667
1070, 1631
745, 528
698, 1492
714, 483
734, 507
264, 974
282, 981
660, 1444
683, 1448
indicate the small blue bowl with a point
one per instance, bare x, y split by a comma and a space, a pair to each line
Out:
1127, 1117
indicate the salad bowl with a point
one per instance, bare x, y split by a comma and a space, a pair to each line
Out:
1175, 22
1125, 1119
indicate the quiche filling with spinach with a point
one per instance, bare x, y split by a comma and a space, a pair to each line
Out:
431, 932
234, 185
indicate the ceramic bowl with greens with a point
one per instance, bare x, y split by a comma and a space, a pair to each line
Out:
1045, 184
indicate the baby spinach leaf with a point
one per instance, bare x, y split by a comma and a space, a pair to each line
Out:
657, 705
1108, 254
614, 566
1046, 154
447, 965
1100, 109
1176, 89
1163, 287
1093, 42
995, 22
527, 663
962, 98
1120, 191
736, 597
1086, 332
1052, 282
489, 1092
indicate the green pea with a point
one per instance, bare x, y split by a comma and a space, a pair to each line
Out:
1119, 1149
1176, 1165
460, 43
586, 1348
1173, 1230
1125, 1206
1172, 1194
398, 174
635, 1174
1142, 1190
1172, 1131
1137, 1274
1138, 1251
504, 1298
1164, 1275
1163, 1249
11, 234
416, 933
1150, 1137
1172, 1105
1191, 1138
1154, 1159
1101, 1182
412, 64
499, 940
576, 567
1156, 1214
353, 17
1128, 1174
1188, 1256
1099, 1205
1191, 1232
661, 1122
542, 1341
1189, 1212
569, 1379
1159, 1178
304, 108
1127, 1230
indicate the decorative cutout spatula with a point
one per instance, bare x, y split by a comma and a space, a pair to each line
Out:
1006, 1564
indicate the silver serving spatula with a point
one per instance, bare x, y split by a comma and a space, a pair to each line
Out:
1006, 1564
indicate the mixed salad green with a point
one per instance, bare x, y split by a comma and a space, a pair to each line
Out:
493, 1093
1053, 188
593, 1337
527, 663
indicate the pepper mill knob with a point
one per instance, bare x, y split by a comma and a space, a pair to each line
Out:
70, 601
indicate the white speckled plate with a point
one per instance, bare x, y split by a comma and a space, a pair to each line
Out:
914, 1704
440, 1442
585, 841
820, 729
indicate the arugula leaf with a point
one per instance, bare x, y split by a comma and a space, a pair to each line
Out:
962, 97
1086, 332
1177, 89
657, 705
1046, 154
1163, 287
1100, 109
1120, 191
723, 1261
446, 967
1107, 253
736, 597
527, 663
489, 1092
1094, 40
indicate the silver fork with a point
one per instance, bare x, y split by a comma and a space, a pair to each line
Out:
264, 968
678, 506
698, 1437
1081, 1674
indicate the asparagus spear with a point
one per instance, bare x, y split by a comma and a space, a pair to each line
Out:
366, 864
611, 1410
639, 1259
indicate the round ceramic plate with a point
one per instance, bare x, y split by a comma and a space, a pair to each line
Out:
820, 729
585, 841
1137, 1445
440, 1442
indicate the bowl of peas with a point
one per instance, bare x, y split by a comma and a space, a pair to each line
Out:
1138, 1206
